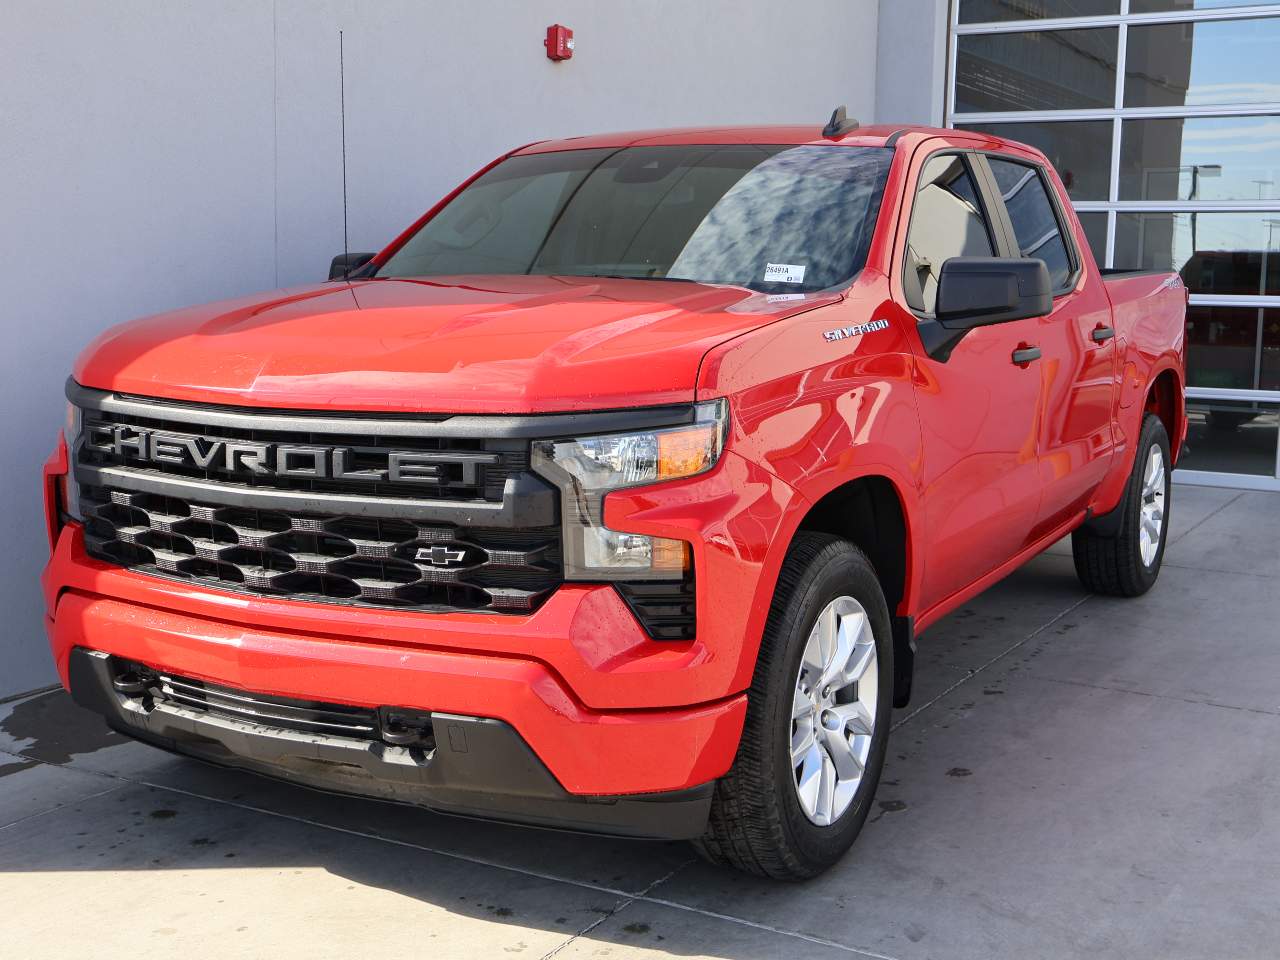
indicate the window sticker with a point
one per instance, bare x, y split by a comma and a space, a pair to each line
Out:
783, 273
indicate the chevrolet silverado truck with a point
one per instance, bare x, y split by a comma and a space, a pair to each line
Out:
614, 493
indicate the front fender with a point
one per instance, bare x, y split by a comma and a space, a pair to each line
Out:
737, 520
820, 413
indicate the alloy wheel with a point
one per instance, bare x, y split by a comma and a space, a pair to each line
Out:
1151, 519
833, 710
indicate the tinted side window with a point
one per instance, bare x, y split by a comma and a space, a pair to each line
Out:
1035, 224
946, 221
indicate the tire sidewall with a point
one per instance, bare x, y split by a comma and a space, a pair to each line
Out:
846, 574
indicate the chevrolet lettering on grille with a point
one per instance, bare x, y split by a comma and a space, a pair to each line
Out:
280, 459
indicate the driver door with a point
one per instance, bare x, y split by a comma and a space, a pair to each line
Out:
979, 410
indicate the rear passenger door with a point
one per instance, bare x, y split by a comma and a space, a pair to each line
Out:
979, 410
1077, 345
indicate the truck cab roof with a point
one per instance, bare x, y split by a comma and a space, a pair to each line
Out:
879, 135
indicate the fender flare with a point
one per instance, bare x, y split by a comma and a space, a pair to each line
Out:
902, 620
1108, 524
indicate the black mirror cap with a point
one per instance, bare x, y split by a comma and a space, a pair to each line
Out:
346, 265
977, 291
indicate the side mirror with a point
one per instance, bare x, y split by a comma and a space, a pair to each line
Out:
978, 291
348, 264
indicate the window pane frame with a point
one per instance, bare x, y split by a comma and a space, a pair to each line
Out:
984, 206
1065, 234
1104, 8
1203, 436
1009, 130
1246, 138
1094, 214
1007, 38
1250, 271
1167, 6
1224, 345
1086, 217
1136, 31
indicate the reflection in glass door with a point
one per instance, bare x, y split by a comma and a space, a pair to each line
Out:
1163, 117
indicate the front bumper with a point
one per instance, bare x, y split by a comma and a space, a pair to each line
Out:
606, 711
470, 766
600, 752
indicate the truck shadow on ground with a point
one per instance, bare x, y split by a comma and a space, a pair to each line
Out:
171, 814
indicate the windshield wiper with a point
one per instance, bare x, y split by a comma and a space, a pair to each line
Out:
632, 276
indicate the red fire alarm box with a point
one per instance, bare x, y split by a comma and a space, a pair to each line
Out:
559, 42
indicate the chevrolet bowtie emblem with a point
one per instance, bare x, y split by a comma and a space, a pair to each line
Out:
439, 556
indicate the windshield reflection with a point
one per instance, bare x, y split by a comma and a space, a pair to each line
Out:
779, 219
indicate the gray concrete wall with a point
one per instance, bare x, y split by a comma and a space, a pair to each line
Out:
911, 71
162, 153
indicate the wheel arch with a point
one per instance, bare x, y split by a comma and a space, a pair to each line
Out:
871, 512
1165, 399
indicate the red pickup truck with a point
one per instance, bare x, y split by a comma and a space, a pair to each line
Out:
613, 494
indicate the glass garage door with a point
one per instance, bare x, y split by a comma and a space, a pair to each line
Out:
1163, 117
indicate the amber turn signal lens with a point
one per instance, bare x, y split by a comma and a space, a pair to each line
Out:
670, 555
682, 453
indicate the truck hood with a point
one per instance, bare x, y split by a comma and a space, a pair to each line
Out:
445, 345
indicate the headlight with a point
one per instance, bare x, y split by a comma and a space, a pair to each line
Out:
587, 468
70, 488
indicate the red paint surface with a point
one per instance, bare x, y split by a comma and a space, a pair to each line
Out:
987, 459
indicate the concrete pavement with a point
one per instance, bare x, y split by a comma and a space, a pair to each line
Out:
1076, 776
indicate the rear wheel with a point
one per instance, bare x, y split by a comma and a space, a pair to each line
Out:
817, 719
1127, 564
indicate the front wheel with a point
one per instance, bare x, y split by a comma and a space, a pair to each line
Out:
817, 719
1127, 564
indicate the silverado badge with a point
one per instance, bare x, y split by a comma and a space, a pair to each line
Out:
844, 333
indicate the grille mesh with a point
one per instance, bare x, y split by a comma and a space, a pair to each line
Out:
363, 560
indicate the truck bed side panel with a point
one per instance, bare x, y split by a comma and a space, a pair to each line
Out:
1149, 316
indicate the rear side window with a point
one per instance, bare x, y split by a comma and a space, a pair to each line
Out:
1035, 223
947, 220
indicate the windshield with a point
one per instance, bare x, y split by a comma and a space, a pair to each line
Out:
771, 218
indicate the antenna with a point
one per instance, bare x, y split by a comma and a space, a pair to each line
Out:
342, 108
839, 124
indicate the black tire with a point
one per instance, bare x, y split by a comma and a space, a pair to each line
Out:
1113, 565
757, 824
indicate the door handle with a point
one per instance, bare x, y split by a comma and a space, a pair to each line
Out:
1102, 333
1025, 354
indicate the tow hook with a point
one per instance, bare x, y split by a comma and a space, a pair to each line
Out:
131, 683
404, 728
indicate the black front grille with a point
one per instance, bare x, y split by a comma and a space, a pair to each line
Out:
409, 511
332, 558
424, 513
